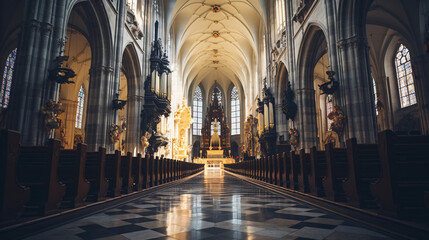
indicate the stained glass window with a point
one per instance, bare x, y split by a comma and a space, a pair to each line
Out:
235, 112
197, 109
133, 5
7, 79
375, 95
280, 15
80, 106
329, 109
404, 72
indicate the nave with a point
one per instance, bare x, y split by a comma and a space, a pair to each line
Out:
213, 205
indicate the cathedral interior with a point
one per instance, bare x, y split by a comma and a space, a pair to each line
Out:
214, 119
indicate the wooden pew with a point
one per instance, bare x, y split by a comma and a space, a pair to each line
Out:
71, 172
304, 166
151, 171
95, 173
126, 174
285, 169
156, 180
37, 168
336, 173
269, 170
146, 172
279, 180
137, 173
113, 173
294, 170
13, 196
161, 170
404, 175
317, 172
364, 169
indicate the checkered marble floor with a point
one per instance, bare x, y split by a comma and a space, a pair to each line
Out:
213, 205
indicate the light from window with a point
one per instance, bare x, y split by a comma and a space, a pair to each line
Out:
329, 109
375, 95
280, 15
80, 106
235, 112
7, 79
405, 76
197, 112
132, 4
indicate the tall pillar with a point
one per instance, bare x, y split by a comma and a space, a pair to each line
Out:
306, 118
357, 89
421, 75
134, 107
99, 108
35, 48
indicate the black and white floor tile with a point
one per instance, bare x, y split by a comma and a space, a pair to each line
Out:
212, 206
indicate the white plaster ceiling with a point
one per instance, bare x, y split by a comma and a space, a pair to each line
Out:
230, 57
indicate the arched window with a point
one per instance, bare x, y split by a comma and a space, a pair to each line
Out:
235, 112
280, 15
197, 112
80, 106
7, 79
329, 109
133, 5
405, 76
375, 95
217, 92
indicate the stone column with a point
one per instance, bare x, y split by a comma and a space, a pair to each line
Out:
357, 90
421, 75
134, 107
99, 109
31, 85
306, 118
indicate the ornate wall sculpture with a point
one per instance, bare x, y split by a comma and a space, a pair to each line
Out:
251, 145
182, 122
338, 120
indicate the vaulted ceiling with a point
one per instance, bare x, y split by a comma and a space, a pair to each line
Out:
216, 40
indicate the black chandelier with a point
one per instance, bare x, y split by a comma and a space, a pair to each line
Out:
157, 95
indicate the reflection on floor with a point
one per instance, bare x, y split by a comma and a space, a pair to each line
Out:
213, 205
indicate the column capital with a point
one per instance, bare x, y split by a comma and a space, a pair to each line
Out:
355, 41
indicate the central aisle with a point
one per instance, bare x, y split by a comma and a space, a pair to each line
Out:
213, 205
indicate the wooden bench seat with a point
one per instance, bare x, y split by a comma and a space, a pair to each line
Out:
404, 175
294, 170
71, 172
37, 168
113, 174
126, 174
363, 169
13, 196
336, 173
317, 172
137, 172
304, 169
95, 173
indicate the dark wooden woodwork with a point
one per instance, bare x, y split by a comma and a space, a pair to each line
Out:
146, 172
156, 171
137, 173
317, 172
95, 173
304, 169
37, 168
151, 171
336, 173
294, 170
71, 172
286, 169
113, 173
364, 169
126, 174
404, 175
13, 196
